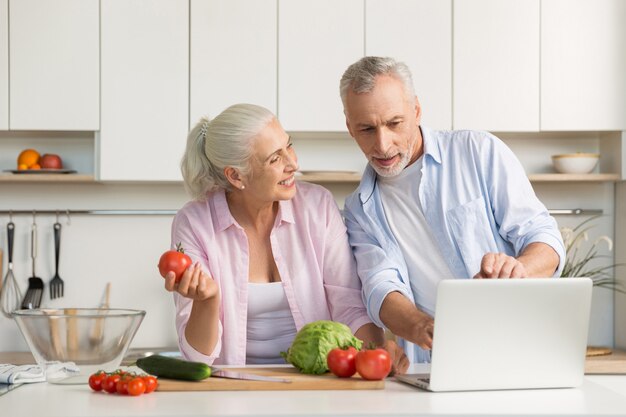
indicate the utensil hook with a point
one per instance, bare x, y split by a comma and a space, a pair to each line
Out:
10, 216
67, 213
57, 216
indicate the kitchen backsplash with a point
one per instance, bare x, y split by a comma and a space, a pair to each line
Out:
124, 249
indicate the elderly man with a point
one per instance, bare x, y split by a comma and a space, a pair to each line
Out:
433, 205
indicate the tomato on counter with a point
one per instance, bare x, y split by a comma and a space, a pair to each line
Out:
373, 363
342, 362
123, 382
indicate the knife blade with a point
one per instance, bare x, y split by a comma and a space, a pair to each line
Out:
220, 373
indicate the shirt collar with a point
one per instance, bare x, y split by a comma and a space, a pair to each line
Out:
431, 144
225, 219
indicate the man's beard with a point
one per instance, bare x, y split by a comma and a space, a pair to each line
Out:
393, 170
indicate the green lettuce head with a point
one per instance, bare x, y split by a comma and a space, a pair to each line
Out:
313, 342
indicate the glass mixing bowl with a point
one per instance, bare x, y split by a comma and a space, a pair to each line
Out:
92, 338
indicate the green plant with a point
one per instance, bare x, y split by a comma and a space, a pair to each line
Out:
578, 258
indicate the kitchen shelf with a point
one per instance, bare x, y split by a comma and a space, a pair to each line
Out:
38, 178
355, 177
574, 177
347, 177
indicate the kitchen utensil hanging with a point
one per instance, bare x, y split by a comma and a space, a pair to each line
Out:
11, 295
56, 283
34, 293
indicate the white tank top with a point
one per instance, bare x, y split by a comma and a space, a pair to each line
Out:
271, 327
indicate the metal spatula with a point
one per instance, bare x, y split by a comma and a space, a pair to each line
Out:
32, 299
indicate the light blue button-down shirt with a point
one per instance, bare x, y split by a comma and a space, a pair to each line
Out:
476, 198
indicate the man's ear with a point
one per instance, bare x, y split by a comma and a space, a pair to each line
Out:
418, 111
233, 177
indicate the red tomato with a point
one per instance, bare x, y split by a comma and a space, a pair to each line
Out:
373, 363
136, 386
151, 383
174, 260
122, 385
341, 362
95, 380
110, 383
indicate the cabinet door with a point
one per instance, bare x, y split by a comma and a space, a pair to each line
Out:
145, 110
233, 55
421, 37
54, 64
583, 65
317, 41
496, 65
4, 64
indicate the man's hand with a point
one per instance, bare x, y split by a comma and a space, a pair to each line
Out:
422, 332
500, 265
399, 361
407, 321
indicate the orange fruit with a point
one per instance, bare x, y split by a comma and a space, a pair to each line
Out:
22, 167
34, 166
28, 157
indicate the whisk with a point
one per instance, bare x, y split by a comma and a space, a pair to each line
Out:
11, 295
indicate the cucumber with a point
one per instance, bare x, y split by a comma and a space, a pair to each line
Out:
173, 368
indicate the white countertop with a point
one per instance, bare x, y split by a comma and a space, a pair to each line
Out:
599, 395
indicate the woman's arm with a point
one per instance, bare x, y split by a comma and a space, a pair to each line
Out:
201, 330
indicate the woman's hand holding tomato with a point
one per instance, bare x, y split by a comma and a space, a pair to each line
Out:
184, 277
194, 284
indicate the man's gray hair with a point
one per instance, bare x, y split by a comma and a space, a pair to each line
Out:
225, 141
360, 77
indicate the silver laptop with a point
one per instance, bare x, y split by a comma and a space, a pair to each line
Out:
493, 334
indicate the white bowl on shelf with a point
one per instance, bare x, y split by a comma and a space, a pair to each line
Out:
575, 163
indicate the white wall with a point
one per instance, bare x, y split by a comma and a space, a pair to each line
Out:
123, 250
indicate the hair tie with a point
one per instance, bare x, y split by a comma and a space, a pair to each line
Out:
204, 128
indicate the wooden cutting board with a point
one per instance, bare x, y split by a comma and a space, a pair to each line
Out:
615, 363
299, 382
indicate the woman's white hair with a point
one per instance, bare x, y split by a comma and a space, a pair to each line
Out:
360, 77
225, 141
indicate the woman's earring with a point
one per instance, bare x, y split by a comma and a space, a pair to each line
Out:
243, 186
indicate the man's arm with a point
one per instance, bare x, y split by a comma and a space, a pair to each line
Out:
404, 319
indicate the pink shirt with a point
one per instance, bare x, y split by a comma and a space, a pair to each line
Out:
311, 250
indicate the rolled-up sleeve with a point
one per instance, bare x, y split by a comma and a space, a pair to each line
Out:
182, 233
523, 219
379, 276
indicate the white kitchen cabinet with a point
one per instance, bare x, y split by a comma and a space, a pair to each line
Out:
4, 64
418, 33
496, 65
233, 55
145, 84
54, 64
583, 65
317, 41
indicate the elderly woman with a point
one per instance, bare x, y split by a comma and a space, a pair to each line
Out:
271, 254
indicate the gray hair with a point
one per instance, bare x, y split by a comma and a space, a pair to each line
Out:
225, 141
360, 77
